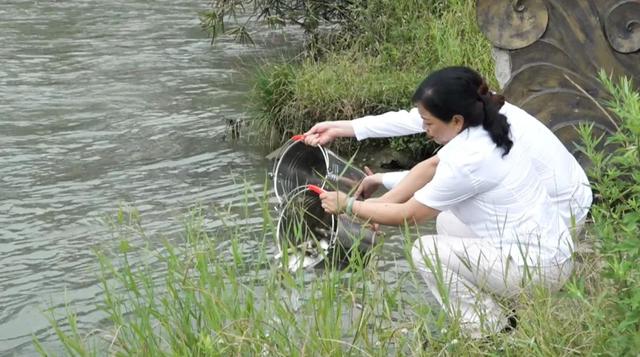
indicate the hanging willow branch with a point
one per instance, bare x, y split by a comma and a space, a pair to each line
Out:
231, 17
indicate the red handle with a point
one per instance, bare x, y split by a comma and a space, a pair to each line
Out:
298, 137
316, 189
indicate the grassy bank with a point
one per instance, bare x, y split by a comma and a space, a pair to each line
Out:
220, 292
216, 299
376, 68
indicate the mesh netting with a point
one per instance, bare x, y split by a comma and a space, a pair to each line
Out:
306, 234
304, 229
300, 165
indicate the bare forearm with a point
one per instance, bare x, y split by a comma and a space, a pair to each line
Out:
393, 214
400, 193
343, 129
417, 178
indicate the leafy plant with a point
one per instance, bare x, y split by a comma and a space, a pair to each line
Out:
615, 176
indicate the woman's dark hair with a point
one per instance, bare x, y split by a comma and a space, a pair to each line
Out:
461, 90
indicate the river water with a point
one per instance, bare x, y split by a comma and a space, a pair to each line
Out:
106, 104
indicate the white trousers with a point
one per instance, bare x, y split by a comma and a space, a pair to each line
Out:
467, 276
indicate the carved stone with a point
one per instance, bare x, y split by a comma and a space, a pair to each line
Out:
555, 50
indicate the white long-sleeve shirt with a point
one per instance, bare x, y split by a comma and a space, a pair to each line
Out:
499, 198
561, 174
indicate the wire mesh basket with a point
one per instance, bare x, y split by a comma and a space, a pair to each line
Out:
299, 164
304, 231
306, 235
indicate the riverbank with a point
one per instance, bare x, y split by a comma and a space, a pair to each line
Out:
395, 44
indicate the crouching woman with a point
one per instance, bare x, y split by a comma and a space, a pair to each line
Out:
498, 233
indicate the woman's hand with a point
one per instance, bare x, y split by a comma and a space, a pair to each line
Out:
370, 184
334, 202
326, 131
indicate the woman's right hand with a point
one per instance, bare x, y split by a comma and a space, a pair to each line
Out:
370, 184
326, 131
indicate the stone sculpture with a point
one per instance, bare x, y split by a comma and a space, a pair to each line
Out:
552, 51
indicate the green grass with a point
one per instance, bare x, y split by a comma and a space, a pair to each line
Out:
375, 69
615, 176
220, 292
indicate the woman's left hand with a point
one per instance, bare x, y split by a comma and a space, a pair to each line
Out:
334, 202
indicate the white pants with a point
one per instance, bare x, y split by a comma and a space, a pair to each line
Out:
466, 276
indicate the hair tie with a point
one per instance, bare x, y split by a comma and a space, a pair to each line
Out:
483, 89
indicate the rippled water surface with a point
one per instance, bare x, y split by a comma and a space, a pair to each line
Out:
106, 103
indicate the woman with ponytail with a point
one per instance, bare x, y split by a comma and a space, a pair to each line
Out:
498, 233
561, 174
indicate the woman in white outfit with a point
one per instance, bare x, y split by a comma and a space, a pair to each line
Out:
498, 232
561, 174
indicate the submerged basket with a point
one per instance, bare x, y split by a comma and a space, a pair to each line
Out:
306, 235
